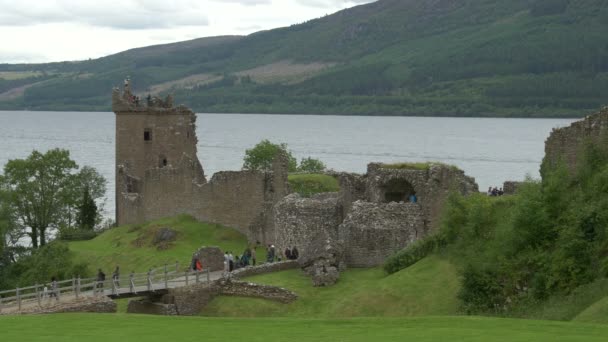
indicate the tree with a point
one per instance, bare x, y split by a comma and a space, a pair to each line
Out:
87, 211
44, 191
311, 165
87, 180
261, 156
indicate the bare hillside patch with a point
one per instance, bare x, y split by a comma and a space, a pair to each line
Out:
184, 83
285, 72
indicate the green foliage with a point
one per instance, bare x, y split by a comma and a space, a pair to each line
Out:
261, 156
309, 184
545, 242
311, 165
87, 211
45, 192
52, 260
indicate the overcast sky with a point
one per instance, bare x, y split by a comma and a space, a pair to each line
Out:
36, 31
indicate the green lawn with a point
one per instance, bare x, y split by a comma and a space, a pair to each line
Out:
120, 246
427, 288
117, 327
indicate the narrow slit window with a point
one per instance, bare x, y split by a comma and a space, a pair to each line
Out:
147, 135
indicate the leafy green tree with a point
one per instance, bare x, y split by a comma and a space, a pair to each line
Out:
311, 165
261, 156
44, 191
87, 211
90, 181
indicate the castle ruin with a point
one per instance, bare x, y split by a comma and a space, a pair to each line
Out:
159, 175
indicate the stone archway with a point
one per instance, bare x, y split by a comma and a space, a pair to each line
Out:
398, 190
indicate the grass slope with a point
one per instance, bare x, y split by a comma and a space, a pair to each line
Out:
131, 246
596, 313
97, 327
427, 288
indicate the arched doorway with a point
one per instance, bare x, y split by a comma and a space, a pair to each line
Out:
398, 190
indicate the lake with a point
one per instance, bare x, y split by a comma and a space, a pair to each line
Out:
491, 150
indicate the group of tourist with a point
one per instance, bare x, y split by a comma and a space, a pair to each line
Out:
292, 254
232, 262
289, 254
495, 192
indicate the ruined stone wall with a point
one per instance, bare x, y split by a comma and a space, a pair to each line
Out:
431, 186
374, 231
159, 175
352, 189
264, 269
298, 220
564, 144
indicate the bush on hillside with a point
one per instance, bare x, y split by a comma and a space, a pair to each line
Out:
52, 260
547, 240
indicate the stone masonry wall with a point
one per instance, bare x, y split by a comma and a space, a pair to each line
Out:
159, 175
564, 144
298, 220
190, 300
264, 269
373, 231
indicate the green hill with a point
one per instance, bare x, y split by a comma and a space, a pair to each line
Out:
132, 247
427, 288
396, 57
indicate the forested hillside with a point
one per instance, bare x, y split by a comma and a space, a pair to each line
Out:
392, 57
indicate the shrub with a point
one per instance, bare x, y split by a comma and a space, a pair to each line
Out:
311, 165
261, 156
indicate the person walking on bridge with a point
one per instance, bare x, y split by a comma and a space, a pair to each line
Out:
116, 276
101, 277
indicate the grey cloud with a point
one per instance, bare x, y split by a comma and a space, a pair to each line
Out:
245, 2
126, 14
332, 3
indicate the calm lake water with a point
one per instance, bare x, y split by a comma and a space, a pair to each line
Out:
491, 150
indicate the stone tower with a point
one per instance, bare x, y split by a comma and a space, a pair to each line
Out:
158, 173
153, 139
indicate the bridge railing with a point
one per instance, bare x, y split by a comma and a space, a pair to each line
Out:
73, 289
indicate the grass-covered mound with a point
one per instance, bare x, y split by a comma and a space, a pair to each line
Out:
104, 327
596, 313
132, 247
427, 288
309, 184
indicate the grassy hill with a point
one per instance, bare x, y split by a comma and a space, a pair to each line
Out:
104, 327
427, 288
393, 57
132, 248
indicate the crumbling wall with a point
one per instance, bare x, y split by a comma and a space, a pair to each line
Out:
564, 144
159, 175
298, 220
374, 231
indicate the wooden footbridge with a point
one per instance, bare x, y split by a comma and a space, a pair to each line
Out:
154, 282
